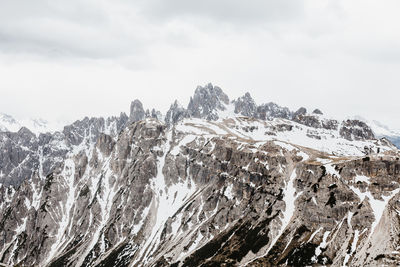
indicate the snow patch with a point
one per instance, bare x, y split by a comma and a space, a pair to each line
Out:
289, 198
361, 178
353, 248
228, 192
167, 201
68, 174
321, 246
378, 206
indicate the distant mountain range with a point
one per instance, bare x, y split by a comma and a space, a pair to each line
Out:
37, 126
380, 130
215, 103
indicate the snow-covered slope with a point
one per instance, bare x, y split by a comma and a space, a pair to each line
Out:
256, 191
37, 126
8, 123
220, 183
381, 130
384, 131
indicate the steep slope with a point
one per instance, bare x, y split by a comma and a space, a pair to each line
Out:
23, 153
207, 193
237, 185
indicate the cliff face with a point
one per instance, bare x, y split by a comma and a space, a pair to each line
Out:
218, 184
209, 193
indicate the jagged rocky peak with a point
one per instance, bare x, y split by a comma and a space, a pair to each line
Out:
242, 192
105, 144
300, 112
315, 119
26, 133
302, 117
207, 101
17, 156
136, 111
88, 128
175, 113
271, 110
245, 105
356, 130
178, 197
155, 114
317, 112
121, 121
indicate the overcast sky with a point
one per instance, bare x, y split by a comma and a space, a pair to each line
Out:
62, 60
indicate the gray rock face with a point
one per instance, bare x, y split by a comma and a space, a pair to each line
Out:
245, 106
309, 120
157, 197
314, 120
18, 159
330, 124
300, 112
88, 129
23, 154
207, 101
175, 113
155, 114
237, 192
318, 112
356, 130
136, 111
271, 110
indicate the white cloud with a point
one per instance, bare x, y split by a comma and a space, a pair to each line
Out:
225, 11
76, 58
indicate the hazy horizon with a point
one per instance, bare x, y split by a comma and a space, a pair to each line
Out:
62, 61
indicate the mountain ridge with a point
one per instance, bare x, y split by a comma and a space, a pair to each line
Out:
209, 103
206, 103
201, 189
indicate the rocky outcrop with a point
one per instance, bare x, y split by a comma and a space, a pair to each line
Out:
136, 111
23, 153
155, 114
206, 102
356, 130
300, 112
192, 194
314, 120
318, 112
309, 120
271, 110
245, 106
209, 102
204, 190
18, 159
175, 113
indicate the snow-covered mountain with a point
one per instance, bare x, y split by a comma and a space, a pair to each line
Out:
217, 183
8, 123
380, 130
37, 126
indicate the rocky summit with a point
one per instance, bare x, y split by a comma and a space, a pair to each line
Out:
219, 183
